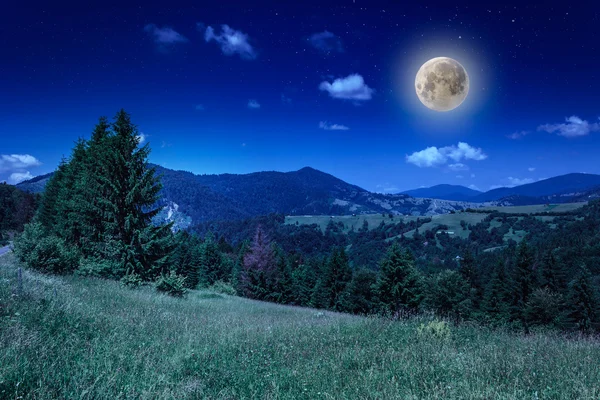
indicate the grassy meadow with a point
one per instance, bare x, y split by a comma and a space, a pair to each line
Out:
349, 221
73, 337
538, 208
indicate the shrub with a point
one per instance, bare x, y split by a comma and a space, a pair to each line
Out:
436, 329
223, 287
45, 253
131, 280
26, 242
172, 284
52, 254
96, 267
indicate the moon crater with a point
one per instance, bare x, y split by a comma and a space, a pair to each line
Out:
442, 84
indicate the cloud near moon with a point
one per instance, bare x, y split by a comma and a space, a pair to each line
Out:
442, 84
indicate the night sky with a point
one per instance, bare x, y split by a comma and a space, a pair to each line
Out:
240, 87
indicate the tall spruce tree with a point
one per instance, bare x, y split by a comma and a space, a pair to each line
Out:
399, 284
583, 311
524, 281
132, 189
259, 266
498, 296
337, 276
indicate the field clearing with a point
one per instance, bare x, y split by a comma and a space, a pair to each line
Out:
453, 223
517, 235
349, 221
73, 337
538, 208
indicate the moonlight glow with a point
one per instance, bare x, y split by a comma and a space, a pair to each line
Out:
442, 84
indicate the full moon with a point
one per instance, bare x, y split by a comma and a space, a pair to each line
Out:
442, 84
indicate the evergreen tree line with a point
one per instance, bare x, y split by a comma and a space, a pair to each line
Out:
16, 209
95, 213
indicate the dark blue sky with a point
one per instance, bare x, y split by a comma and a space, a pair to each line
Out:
248, 86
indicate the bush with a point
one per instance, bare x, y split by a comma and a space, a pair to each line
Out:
172, 284
436, 329
96, 267
52, 254
131, 280
223, 287
26, 242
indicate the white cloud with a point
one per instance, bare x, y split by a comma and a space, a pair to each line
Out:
285, 99
518, 182
18, 177
518, 135
11, 162
253, 105
573, 127
165, 35
326, 42
459, 176
474, 187
472, 175
141, 138
512, 182
332, 127
199, 107
458, 167
352, 87
387, 188
531, 169
231, 41
434, 157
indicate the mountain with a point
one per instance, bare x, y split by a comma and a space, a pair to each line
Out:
188, 198
444, 192
303, 192
556, 187
559, 189
35, 185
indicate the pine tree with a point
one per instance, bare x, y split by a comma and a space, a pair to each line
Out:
398, 285
359, 296
498, 297
449, 295
212, 265
259, 266
551, 275
583, 312
48, 213
337, 275
523, 281
131, 191
303, 283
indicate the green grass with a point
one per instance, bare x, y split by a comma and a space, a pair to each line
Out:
538, 208
453, 223
73, 337
349, 221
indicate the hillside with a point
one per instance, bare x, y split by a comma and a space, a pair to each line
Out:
195, 198
67, 337
567, 188
445, 192
558, 186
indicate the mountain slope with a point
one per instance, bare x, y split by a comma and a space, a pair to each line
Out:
188, 198
445, 192
559, 185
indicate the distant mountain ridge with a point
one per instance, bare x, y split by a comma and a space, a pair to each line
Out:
445, 192
193, 198
188, 198
559, 189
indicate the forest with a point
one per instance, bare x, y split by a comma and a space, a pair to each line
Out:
94, 219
